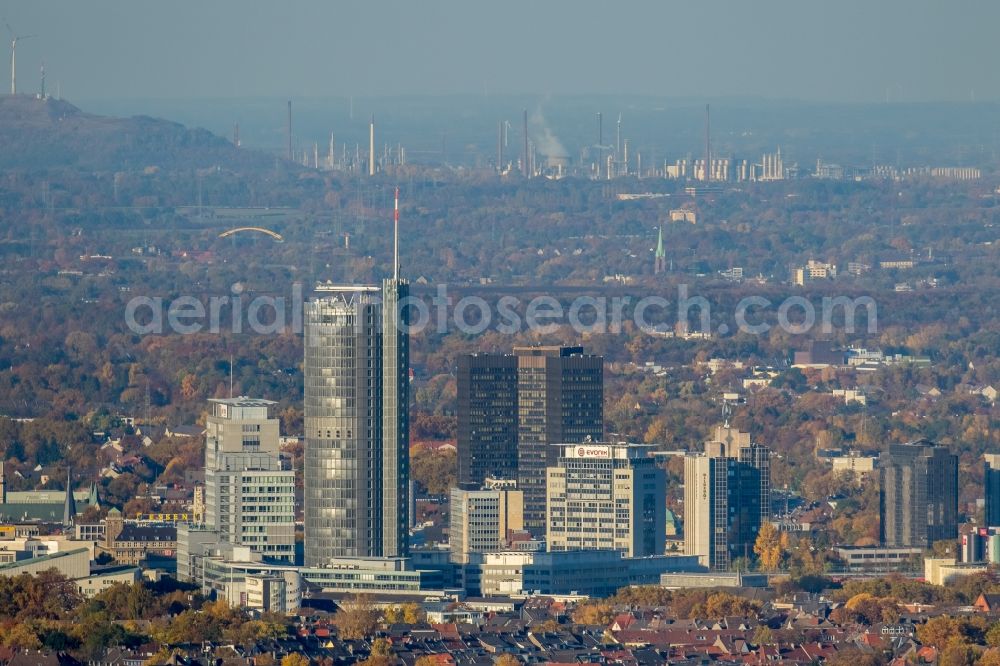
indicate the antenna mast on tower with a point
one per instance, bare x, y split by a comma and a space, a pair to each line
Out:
395, 238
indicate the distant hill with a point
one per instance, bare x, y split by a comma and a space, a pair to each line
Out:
37, 134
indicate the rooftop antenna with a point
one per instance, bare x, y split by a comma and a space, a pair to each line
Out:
395, 238
14, 39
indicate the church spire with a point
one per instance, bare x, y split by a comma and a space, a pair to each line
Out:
660, 258
69, 508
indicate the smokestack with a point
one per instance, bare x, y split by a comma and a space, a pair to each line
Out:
600, 142
371, 147
289, 130
524, 165
618, 139
708, 145
332, 145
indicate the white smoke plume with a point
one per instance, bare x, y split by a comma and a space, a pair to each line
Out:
546, 142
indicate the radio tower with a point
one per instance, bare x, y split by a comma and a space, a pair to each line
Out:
371, 147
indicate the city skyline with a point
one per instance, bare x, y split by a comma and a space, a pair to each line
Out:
896, 50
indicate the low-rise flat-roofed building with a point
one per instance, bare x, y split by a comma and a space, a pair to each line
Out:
877, 559
272, 593
101, 578
712, 579
945, 570
595, 573
72, 564
222, 571
856, 464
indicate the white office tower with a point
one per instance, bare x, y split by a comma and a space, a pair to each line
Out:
606, 496
249, 498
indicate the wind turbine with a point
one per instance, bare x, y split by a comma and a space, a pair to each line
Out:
14, 39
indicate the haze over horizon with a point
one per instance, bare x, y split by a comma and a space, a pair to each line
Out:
849, 51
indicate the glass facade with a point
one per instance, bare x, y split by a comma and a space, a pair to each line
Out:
356, 425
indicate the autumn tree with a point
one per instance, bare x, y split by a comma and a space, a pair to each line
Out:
434, 470
938, 631
769, 546
592, 613
356, 618
413, 613
295, 659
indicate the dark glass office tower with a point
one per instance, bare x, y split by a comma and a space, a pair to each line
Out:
487, 418
918, 500
560, 400
513, 411
356, 401
991, 484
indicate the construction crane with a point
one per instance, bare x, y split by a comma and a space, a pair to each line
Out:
14, 39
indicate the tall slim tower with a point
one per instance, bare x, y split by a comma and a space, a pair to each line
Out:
500, 147
371, 146
524, 164
356, 481
69, 506
289, 130
707, 172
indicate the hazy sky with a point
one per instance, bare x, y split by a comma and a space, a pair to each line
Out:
849, 50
